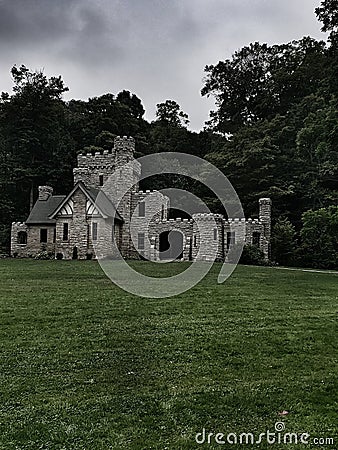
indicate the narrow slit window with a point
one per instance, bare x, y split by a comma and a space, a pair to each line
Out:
140, 241
101, 180
230, 239
142, 209
94, 231
215, 234
65, 232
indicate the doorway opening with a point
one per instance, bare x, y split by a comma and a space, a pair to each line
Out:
171, 245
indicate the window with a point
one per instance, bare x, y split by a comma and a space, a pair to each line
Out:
256, 237
43, 235
195, 240
22, 238
94, 231
162, 214
140, 241
65, 231
54, 235
231, 237
142, 209
215, 234
101, 180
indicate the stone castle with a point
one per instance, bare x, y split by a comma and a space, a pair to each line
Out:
76, 225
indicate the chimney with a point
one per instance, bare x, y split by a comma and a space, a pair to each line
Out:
265, 215
45, 192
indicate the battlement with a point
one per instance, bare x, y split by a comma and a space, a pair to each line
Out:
207, 217
19, 224
171, 221
124, 148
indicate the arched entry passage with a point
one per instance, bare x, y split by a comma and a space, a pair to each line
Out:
171, 245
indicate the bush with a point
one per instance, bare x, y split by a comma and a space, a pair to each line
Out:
319, 234
44, 255
252, 255
59, 256
89, 256
283, 242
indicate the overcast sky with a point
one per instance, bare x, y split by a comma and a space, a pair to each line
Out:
157, 49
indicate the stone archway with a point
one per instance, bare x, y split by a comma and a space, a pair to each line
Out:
171, 245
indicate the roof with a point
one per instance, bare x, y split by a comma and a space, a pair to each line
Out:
43, 209
103, 204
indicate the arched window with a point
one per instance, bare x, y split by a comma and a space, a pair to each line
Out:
22, 238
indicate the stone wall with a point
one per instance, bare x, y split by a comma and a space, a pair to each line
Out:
208, 237
33, 246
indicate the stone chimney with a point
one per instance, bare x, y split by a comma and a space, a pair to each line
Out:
45, 192
265, 215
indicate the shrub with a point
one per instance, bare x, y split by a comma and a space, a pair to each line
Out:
89, 256
252, 255
283, 242
59, 256
44, 255
319, 234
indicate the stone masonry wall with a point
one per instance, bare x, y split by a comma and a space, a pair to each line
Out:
33, 246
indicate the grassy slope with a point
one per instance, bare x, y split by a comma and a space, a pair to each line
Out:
86, 366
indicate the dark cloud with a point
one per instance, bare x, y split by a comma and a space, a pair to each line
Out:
155, 48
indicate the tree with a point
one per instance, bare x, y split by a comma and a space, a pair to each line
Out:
132, 102
320, 238
327, 13
169, 113
36, 141
261, 81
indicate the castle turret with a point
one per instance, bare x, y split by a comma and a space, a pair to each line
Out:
45, 192
265, 215
207, 243
265, 218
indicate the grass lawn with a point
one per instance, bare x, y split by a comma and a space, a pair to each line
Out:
86, 366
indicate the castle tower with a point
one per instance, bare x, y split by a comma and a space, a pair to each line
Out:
207, 240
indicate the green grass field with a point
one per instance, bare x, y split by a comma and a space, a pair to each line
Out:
86, 366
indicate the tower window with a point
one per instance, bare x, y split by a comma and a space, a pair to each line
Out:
94, 231
140, 241
22, 238
101, 180
43, 235
195, 240
142, 209
215, 234
231, 237
256, 237
65, 232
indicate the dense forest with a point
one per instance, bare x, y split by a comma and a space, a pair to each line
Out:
274, 133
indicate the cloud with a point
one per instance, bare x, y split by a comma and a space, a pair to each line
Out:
155, 48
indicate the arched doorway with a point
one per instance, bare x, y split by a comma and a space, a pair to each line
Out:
171, 245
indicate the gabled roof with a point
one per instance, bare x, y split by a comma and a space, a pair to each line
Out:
42, 210
105, 206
